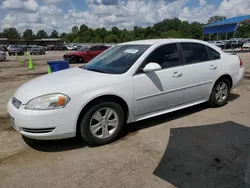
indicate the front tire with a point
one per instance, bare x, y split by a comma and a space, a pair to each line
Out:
220, 93
102, 123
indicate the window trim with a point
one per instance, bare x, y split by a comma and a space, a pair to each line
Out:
139, 69
184, 59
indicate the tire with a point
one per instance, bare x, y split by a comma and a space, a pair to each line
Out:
76, 59
220, 93
31, 54
103, 133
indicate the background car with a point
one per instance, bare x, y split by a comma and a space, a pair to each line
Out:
37, 50
2, 54
16, 50
85, 54
246, 45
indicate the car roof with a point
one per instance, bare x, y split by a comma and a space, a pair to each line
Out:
155, 41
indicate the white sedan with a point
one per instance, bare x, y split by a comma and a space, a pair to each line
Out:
246, 45
129, 82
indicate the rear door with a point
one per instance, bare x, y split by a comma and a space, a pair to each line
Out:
200, 71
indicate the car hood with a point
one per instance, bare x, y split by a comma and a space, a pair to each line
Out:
70, 82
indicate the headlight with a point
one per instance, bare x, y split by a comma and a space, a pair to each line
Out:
48, 102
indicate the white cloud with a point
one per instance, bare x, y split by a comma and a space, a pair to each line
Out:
234, 8
203, 2
53, 1
28, 5
50, 10
25, 14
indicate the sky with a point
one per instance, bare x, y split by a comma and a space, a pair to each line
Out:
62, 15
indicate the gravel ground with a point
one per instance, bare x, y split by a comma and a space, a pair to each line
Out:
195, 147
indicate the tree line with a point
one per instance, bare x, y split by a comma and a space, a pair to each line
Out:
168, 28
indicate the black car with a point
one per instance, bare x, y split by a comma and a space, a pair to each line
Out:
16, 50
37, 50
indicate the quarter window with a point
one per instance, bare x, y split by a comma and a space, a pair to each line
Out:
213, 54
194, 53
166, 56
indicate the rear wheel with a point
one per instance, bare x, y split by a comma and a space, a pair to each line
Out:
102, 124
220, 93
76, 59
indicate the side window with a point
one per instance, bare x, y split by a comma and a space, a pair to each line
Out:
213, 54
166, 56
194, 52
103, 47
94, 48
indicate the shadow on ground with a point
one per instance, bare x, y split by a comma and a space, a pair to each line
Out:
54, 145
207, 156
233, 96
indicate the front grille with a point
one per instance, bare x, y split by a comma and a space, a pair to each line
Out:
16, 102
44, 130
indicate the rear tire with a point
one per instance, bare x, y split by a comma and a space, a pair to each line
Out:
102, 123
220, 93
76, 59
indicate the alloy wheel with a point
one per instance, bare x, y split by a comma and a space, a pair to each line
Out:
104, 123
221, 92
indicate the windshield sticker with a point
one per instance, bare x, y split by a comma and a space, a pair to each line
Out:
132, 51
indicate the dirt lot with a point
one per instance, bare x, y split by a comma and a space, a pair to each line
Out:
195, 147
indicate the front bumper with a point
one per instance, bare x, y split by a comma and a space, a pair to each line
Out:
43, 124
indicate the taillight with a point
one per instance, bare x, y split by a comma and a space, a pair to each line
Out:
241, 63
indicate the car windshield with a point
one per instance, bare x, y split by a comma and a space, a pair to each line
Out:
116, 60
83, 48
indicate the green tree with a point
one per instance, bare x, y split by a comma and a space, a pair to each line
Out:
101, 33
11, 33
63, 35
41, 34
83, 28
54, 34
28, 34
195, 31
216, 19
112, 38
74, 30
171, 34
184, 29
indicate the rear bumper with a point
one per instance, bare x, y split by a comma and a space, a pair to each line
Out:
239, 77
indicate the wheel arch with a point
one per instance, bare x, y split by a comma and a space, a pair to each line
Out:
226, 76
106, 97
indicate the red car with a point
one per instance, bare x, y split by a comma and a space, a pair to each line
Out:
85, 54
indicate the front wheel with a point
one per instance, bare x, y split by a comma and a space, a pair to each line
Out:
220, 93
102, 124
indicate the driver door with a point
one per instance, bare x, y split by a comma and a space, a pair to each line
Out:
163, 89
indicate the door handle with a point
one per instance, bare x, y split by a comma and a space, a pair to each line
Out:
212, 67
177, 74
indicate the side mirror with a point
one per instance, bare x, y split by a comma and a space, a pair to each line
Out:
150, 67
88, 51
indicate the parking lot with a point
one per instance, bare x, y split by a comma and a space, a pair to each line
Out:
196, 147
